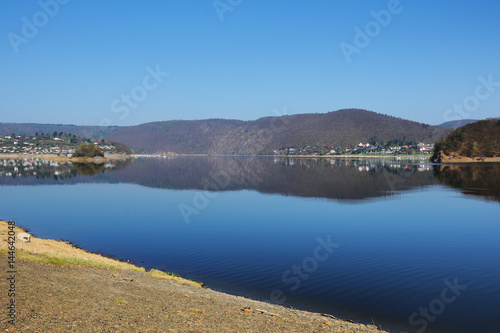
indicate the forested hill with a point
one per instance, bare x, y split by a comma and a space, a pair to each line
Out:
479, 140
341, 128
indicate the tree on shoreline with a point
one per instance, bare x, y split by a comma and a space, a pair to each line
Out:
88, 150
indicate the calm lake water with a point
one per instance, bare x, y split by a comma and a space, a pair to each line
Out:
415, 246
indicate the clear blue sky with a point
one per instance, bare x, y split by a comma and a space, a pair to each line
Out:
262, 55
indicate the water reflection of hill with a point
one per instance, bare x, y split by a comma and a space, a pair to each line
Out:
336, 179
476, 180
314, 177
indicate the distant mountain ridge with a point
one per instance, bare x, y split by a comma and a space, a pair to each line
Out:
454, 124
343, 128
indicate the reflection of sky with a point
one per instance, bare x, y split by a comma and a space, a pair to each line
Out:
55, 207
101, 210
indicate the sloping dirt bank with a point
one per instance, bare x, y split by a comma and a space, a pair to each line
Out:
441, 157
465, 159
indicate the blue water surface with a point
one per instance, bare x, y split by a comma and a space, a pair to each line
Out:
392, 255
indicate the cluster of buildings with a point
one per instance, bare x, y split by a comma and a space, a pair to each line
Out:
373, 149
40, 146
361, 148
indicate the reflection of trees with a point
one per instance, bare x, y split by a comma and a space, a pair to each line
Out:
118, 164
479, 180
88, 169
92, 169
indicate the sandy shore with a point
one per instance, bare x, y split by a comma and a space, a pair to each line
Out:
62, 288
464, 159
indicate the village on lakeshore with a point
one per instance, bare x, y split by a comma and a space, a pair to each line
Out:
393, 147
61, 144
